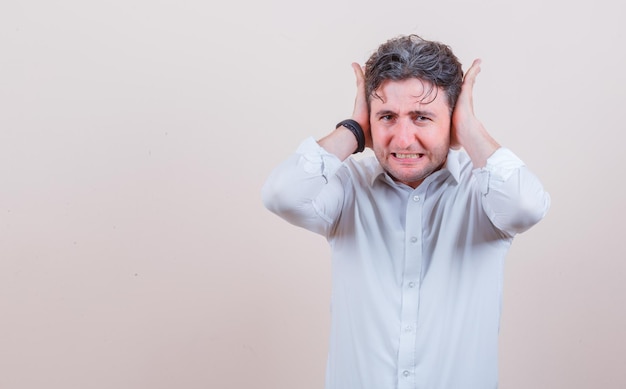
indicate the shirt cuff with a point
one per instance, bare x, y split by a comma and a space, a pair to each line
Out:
502, 163
499, 168
315, 159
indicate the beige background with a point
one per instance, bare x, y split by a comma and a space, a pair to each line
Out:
135, 136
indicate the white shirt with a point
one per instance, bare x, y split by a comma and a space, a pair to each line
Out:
416, 273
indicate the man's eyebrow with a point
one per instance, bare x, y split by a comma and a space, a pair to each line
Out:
385, 112
417, 112
421, 112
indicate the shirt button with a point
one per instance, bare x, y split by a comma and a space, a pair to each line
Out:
413, 239
411, 284
408, 329
416, 198
406, 373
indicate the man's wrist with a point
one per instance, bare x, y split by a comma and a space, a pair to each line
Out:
355, 128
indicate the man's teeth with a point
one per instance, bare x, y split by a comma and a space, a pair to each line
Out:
402, 156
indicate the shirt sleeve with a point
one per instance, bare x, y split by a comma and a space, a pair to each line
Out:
305, 190
512, 196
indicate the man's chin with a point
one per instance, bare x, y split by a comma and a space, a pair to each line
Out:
412, 176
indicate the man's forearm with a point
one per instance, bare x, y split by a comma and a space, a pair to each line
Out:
478, 144
341, 143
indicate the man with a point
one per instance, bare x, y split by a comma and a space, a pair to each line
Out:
420, 232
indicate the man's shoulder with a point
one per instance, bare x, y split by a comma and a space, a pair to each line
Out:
363, 169
459, 164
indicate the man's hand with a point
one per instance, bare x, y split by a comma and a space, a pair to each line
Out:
361, 111
463, 118
341, 142
467, 131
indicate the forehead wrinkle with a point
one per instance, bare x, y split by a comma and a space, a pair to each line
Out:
419, 100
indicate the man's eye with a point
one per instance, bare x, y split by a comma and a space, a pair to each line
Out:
386, 117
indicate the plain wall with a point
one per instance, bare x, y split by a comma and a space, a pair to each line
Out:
135, 136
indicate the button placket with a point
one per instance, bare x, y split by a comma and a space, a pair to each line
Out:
410, 292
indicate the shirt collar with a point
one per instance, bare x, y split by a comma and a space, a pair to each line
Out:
452, 167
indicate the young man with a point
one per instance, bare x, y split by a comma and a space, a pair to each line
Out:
420, 232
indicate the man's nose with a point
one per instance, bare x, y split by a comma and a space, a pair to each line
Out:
404, 133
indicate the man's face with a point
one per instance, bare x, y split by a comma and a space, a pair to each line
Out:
410, 138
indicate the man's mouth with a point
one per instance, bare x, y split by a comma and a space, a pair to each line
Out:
406, 156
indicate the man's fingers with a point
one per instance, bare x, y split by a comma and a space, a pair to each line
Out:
467, 91
360, 102
361, 110
472, 72
358, 72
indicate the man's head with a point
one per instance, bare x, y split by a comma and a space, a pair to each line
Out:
412, 86
413, 57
